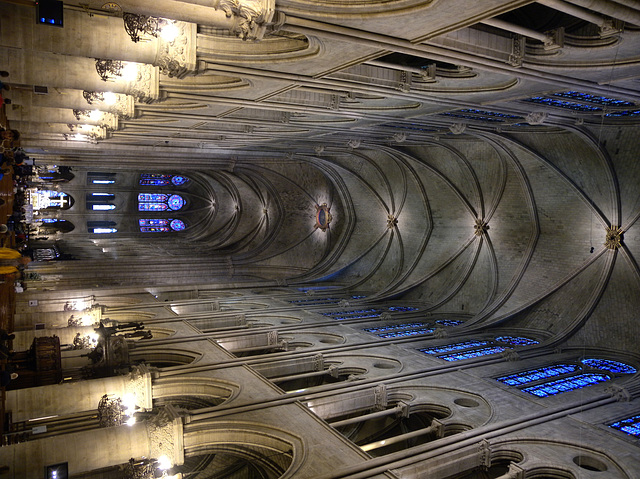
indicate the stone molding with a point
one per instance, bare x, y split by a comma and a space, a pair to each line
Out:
252, 16
139, 385
166, 435
178, 57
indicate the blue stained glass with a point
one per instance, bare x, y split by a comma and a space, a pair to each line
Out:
177, 225
155, 229
157, 179
50, 220
153, 179
153, 222
179, 180
152, 197
314, 300
402, 308
630, 113
538, 374
449, 322
152, 206
630, 425
405, 333
392, 327
600, 100
357, 314
103, 230
357, 296
175, 202
567, 384
453, 347
562, 104
516, 340
615, 367
474, 353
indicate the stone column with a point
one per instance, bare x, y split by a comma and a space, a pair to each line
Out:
83, 451
55, 400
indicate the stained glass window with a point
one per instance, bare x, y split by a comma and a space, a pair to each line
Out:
315, 301
101, 227
630, 425
356, 314
103, 207
568, 105
481, 115
453, 347
449, 322
159, 202
474, 353
393, 327
600, 100
532, 375
567, 384
160, 225
615, 367
624, 113
516, 340
155, 179
405, 333
402, 308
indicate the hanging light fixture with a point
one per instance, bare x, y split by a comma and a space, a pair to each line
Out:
108, 69
136, 25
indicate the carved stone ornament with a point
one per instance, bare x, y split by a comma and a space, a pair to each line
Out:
139, 385
392, 222
177, 58
480, 227
120, 105
146, 87
400, 137
380, 397
457, 128
517, 51
323, 217
536, 117
510, 355
166, 435
319, 149
252, 16
354, 144
614, 237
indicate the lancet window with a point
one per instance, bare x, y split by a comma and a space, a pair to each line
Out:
160, 225
159, 202
600, 100
100, 201
156, 179
559, 378
355, 314
101, 227
630, 425
401, 330
474, 349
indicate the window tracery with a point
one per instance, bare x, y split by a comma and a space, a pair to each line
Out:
160, 225
157, 179
159, 202
571, 381
630, 425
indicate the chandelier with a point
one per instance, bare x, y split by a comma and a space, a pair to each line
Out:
108, 69
92, 96
136, 25
110, 411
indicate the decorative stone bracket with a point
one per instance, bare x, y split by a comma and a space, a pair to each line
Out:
252, 16
166, 435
